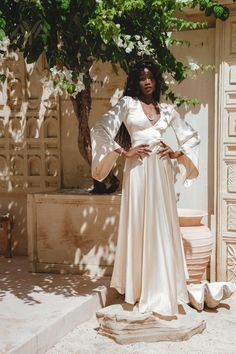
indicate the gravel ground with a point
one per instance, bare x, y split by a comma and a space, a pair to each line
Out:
219, 337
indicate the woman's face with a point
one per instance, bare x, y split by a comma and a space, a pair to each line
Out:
147, 83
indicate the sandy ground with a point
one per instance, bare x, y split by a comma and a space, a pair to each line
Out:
219, 337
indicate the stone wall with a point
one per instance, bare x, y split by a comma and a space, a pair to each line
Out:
38, 134
29, 141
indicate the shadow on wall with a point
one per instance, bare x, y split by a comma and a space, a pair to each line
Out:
29, 141
16, 206
81, 235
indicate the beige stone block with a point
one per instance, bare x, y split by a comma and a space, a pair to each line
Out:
73, 233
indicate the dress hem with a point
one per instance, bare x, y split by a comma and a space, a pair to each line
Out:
122, 292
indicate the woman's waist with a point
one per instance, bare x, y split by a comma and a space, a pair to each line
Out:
153, 145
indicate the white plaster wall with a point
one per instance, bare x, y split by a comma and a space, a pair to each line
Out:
201, 194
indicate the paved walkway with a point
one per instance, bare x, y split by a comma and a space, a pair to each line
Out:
36, 310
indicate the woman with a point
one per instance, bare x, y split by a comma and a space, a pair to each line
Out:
149, 264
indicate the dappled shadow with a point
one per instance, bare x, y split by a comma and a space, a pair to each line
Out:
81, 235
29, 135
16, 280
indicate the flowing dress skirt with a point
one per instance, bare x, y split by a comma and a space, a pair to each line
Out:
150, 266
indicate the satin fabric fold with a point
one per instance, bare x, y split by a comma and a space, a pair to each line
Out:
150, 266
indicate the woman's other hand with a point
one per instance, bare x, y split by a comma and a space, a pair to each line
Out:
167, 150
139, 151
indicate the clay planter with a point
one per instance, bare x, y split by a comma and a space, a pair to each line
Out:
198, 242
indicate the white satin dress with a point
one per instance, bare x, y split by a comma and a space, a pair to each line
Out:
150, 267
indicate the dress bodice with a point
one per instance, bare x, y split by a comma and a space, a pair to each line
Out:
141, 130
129, 111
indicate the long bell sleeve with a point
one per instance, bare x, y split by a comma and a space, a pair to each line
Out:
188, 142
103, 144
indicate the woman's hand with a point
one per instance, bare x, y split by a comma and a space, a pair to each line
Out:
167, 150
139, 151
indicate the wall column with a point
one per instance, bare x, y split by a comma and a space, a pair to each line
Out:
225, 149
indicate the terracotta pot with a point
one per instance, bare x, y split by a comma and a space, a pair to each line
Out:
198, 242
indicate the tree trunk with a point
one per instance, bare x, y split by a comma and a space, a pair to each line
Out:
82, 107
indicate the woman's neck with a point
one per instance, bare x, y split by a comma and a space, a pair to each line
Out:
146, 98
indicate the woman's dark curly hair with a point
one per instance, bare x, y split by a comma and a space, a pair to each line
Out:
132, 89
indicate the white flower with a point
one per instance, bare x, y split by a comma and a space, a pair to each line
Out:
117, 25
60, 79
79, 86
54, 71
146, 41
4, 43
67, 73
119, 41
192, 64
144, 46
130, 47
128, 50
137, 37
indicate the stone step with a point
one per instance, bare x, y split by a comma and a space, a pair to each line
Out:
37, 310
50, 334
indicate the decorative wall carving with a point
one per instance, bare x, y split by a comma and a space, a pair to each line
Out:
232, 123
29, 130
231, 262
231, 217
231, 180
32, 128
231, 98
34, 166
50, 128
230, 150
226, 167
17, 165
52, 166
